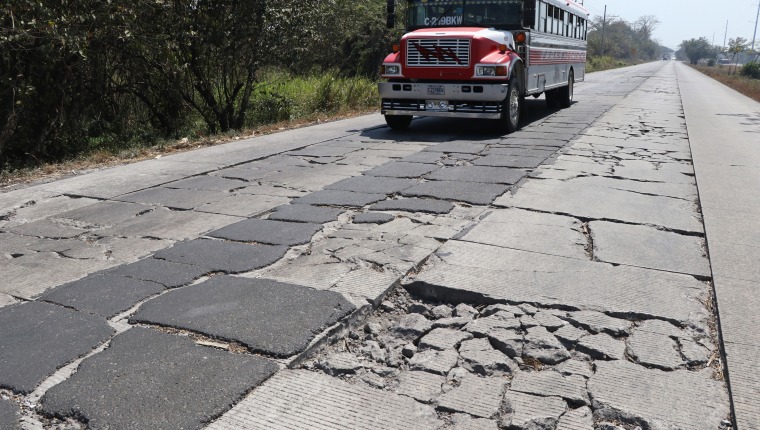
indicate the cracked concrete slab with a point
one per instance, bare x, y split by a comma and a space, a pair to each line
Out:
479, 397
531, 231
648, 247
517, 162
109, 389
400, 169
599, 203
268, 232
267, 316
468, 192
300, 400
519, 276
339, 198
457, 147
243, 205
164, 223
102, 294
105, 213
485, 174
174, 198
29, 275
660, 400
217, 255
207, 183
38, 338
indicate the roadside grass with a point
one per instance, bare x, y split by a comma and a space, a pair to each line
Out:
726, 75
597, 64
282, 101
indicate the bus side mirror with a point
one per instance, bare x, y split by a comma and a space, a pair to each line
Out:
529, 13
391, 14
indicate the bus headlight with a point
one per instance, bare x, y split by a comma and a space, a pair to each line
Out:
486, 71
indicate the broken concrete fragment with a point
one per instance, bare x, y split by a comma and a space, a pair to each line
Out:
601, 347
544, 347
550, 383
431, 360
596, 322
454, 322
655, 399
483, 326
465, 310
509, 342
575, 367
654, 350
569, 335
340, 364
422, 386
548, 321
576, 419
467, 422
443, 338
492, 309
694, 353
529, 412
441, 311
412, 325
478, 356
479, 397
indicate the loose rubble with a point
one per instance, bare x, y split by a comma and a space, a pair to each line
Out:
514, 366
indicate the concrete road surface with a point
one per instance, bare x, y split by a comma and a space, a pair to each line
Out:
595, 270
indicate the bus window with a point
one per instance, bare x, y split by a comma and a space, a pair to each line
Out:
542, 17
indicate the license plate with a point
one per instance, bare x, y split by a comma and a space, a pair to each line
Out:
436, 90
436, 105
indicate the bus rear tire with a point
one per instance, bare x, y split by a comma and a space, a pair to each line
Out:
511, 112
552, 99
398, 122
566, 92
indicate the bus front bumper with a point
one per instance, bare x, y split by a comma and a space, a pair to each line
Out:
467, 100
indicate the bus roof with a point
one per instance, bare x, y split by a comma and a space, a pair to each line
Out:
571, 6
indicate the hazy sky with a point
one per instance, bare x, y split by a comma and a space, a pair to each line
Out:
681, 20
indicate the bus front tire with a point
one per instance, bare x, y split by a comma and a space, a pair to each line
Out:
510, 114
398, 122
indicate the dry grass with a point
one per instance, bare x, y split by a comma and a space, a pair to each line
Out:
747, 86
46, 172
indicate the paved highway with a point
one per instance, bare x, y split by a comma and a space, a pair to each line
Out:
596, 269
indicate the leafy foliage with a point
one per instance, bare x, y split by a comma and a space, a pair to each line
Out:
81, 74
697, 49
624, 40
751, 70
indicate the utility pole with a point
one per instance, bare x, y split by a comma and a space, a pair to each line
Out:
724, 36
604, 24
754, 35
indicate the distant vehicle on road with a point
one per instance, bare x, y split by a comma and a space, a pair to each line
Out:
480, 59
665, 57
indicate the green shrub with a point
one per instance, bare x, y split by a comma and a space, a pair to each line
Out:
711, 62
751, 70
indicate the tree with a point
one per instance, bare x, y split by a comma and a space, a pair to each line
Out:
735, 47
697, 49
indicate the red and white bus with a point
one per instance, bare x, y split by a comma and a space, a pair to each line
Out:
481, 58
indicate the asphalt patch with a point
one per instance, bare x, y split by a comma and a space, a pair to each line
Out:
414, 205
485, 174
221, 256
268, 231
151, 380
373, 218
103, 294
400, 169
9, 416
267, 316
37, 338
373, 184
166, 273
339, 198
305, 213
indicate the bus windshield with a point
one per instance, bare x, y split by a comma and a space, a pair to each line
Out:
465, 13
